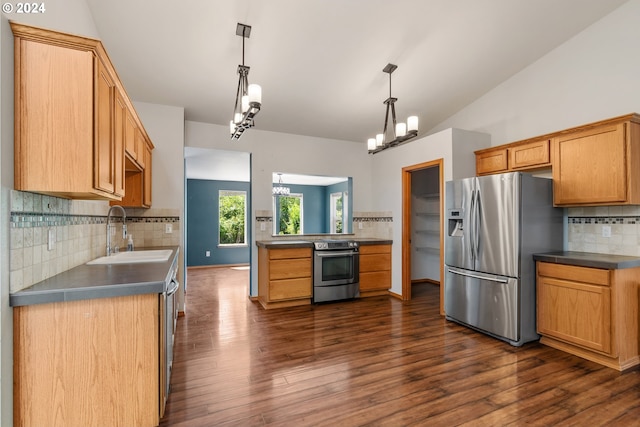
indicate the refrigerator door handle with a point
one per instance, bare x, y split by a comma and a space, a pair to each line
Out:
478, 224
472, 234
477, 276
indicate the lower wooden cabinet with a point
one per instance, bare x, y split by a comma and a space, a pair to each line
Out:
375, 270
284, 277
87, 363
590, 312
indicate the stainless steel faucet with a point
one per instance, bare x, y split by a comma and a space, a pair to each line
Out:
124, 226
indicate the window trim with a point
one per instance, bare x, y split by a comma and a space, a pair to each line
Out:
243, 193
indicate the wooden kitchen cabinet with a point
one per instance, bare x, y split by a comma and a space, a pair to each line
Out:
517, 156
598, 166
589, 312
87, 363
284, 277
491, 160
69, 106
530, 155
375, 270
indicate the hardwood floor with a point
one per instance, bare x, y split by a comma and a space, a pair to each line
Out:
374, 361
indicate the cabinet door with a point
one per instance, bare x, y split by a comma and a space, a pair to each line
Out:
574, 312
530, 155
591, 167
492, 161
119, 119
146, 198
130, 136
53, 118
104, 160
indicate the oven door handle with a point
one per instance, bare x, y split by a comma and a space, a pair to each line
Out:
330, 254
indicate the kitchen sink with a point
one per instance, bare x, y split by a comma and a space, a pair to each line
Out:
156, 255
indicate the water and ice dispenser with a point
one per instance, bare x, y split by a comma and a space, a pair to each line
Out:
455, 224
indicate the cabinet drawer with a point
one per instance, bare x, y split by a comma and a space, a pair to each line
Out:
290, 253
529, 155
290, 289
375, 249
375, 280
596, 276
491, 161
289, 268
576, 313
375, 262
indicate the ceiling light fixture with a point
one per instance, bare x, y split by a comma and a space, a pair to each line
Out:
248, 97
281, 190
400, 132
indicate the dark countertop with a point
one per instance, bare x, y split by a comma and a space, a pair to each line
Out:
275, 244
99, 281
588, 259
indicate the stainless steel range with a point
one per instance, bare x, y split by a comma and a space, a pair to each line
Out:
336, 265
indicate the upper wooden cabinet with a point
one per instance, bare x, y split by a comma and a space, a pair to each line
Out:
71, 112
530, 155
598, 166
519, 156
491, 160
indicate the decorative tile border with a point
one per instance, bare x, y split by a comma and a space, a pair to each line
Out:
372, 219
604, 220
37, 219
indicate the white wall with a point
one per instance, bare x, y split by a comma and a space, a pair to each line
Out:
280, 152
454, 146
591, 77
165, 126
65, 15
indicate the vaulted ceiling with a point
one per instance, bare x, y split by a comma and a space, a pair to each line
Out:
320, 62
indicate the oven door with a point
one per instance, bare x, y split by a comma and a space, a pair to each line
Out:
332, 268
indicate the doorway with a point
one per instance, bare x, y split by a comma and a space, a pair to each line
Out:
422, 238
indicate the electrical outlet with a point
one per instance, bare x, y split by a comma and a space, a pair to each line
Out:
360, 226
168, 228
606, 231
207, 253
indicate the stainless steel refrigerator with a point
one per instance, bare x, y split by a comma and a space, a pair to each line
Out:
494, 224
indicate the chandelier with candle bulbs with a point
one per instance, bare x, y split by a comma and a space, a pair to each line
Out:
399, 132
248, 97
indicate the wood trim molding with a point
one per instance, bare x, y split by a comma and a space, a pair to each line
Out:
406, 226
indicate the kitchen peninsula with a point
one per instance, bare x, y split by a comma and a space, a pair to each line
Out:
89, 346
285, 270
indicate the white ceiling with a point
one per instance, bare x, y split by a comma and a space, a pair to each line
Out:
320, 62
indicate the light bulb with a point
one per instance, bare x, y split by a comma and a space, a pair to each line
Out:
401, 129
379, 140
232, 127
412, 123
245, 103
255, 93
371, 144
237, 118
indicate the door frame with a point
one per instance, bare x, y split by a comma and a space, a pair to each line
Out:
406, 226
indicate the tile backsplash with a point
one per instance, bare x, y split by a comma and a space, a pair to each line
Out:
365, 225
79, 230
588, 230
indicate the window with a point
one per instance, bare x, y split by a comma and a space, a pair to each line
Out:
232, 216
288, 214
339, 204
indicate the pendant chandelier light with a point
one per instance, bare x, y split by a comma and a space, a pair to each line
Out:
248, 97
399, 132
281, 190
